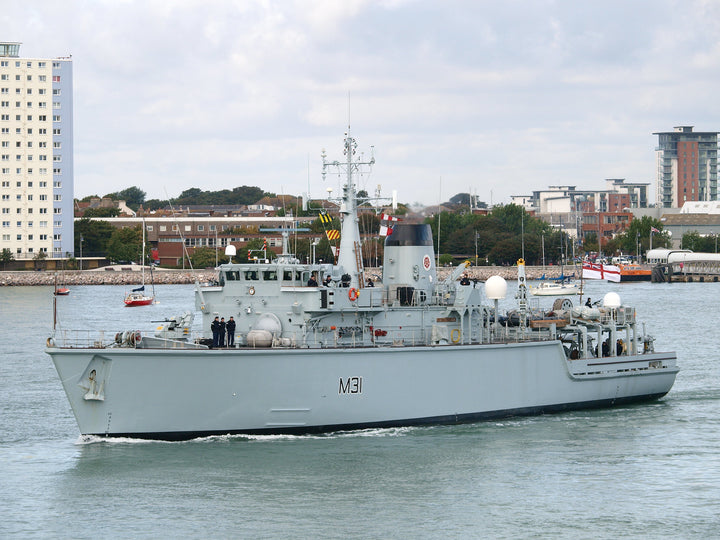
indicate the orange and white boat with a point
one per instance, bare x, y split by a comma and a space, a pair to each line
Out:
634, 272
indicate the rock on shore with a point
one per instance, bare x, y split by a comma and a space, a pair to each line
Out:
124, 276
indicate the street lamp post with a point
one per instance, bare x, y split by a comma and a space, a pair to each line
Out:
81, 242
476, 237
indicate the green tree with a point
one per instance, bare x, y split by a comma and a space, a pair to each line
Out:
101, 212
205, 257
133, 196
125, 244
95, 235
6, 256
637, 235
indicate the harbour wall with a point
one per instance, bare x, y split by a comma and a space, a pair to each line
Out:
133, 276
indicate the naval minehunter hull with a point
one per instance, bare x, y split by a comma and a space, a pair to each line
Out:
175, 395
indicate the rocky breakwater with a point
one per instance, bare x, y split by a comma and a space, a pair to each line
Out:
133, 276
509, 273
105, 277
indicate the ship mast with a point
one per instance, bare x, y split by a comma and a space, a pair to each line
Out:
350, 257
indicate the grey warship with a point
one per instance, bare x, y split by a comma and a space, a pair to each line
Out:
317, 350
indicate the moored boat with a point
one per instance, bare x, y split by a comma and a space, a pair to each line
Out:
635, 272
316, 350
137, 296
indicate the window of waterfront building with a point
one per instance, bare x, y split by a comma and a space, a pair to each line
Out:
188, 228
201, 227
163, 228
6, 224
43, 210
56, 78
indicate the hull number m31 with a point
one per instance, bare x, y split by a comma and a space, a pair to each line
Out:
351, 385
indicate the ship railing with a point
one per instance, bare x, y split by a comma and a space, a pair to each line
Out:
81, 339
621, 316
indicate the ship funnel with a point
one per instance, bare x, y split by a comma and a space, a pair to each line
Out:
409, 262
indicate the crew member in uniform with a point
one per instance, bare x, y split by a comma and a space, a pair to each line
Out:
215, 327
221, 339
312, 282
465, 279
589, 302
230, 326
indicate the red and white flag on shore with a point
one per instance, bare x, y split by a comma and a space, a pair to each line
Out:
600, 271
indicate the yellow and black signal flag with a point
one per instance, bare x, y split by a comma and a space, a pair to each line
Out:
325, 218
333, 235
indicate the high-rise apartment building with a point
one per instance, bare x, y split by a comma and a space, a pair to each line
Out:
36, 154
686, 166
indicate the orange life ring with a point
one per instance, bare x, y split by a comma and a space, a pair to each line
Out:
353, 294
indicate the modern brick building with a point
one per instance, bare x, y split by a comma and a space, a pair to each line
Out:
686, 166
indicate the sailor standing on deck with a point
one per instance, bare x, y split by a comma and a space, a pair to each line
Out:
215, 327
230, 332
221, 339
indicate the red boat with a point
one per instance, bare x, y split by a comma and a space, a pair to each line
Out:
62, 291
138, 298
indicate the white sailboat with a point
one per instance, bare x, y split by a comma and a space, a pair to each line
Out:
137, 297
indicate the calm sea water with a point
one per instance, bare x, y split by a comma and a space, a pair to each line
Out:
643, 471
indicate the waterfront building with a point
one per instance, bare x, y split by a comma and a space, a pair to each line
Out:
686, 166
36, 155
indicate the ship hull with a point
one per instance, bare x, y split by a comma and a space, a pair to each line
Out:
182, 394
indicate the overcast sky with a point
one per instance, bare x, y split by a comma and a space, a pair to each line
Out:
496, 98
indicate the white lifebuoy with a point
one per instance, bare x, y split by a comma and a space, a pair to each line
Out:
455, 335
353, 294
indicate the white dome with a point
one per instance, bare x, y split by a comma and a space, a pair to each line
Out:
230, 250
269, 322
612, 300
495, 288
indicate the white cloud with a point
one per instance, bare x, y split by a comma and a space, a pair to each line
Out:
505, 97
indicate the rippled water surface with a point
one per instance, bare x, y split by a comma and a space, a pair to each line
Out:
643, 471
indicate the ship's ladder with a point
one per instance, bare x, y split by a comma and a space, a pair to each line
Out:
359, 264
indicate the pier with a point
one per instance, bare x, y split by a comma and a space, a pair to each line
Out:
687, 271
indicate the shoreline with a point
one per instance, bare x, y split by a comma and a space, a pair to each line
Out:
126, 276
